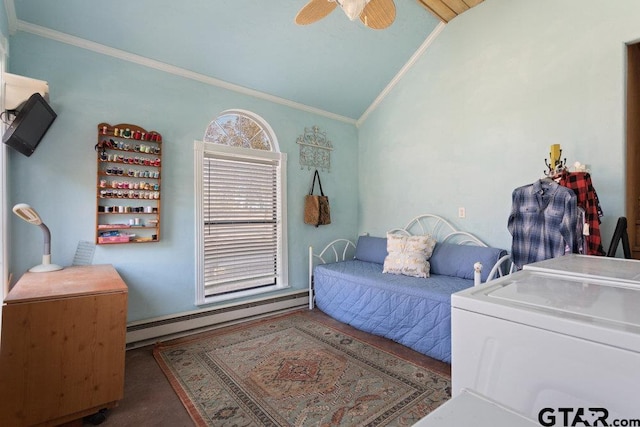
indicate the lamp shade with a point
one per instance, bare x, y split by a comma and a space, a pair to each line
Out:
28, 214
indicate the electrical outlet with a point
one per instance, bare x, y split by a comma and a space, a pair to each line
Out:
461, 213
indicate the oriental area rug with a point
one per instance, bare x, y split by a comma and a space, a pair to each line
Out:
295, 371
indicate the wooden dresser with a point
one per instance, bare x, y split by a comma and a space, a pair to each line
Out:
63, 345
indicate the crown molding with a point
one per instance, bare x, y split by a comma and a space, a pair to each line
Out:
18, 25
406, 67
171, 69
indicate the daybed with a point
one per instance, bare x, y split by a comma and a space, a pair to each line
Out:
347, 283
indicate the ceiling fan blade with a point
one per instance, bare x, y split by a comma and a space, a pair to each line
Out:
378, 14
314, 11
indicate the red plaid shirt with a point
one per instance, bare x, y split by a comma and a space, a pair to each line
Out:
580, 183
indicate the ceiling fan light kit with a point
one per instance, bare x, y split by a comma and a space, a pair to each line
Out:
352, 8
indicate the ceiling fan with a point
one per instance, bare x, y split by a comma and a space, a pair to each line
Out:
376, 14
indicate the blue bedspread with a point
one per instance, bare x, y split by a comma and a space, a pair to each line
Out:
415, 312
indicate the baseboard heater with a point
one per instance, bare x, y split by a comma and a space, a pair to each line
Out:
168, 327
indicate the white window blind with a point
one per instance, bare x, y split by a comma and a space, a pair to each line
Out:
241, 224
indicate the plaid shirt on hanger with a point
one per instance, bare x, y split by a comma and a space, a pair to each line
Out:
580, 183
543, 222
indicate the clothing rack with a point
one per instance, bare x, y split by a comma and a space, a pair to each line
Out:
581, 183
557, 214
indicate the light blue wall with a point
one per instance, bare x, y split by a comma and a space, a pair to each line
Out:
474, 118
59, 181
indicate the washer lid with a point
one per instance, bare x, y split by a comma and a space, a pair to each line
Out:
594, 309
625, 270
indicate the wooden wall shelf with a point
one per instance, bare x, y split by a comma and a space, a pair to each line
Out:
129, 175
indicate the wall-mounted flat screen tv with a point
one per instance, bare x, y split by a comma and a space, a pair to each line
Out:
30, 124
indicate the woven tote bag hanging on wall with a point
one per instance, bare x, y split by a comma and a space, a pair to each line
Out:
316, 208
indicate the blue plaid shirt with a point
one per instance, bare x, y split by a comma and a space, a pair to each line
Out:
543, 222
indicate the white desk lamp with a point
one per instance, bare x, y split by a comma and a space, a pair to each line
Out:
28, 214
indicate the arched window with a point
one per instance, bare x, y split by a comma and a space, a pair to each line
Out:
240, 193
237, 128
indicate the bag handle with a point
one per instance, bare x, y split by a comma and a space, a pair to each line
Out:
316, 174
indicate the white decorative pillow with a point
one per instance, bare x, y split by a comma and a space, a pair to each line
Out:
408, 255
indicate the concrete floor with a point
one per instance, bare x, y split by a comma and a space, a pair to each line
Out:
149, 399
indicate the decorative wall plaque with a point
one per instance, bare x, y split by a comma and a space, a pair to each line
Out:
315, 149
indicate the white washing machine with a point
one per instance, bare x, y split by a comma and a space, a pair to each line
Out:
536, 340
618, 269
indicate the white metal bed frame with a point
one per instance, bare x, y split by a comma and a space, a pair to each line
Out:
438, 227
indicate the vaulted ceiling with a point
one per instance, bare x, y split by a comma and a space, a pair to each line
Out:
334, 65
